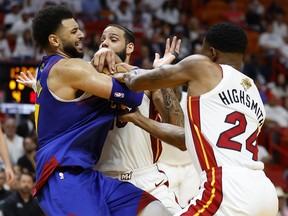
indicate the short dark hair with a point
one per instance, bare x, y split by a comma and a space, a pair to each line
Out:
128, 34
48, 21
227, 37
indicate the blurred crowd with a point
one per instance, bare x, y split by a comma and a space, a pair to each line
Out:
152, 22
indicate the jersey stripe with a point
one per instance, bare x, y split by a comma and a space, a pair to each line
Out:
203, 148
211, 197
156, 144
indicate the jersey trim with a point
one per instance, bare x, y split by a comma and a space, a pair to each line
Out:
212, 196
47, 170
156, 144
203, 148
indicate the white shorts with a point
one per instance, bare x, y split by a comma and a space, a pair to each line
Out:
183, 180
151, 180
234, 191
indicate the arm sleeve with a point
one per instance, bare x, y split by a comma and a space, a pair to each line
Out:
121, 94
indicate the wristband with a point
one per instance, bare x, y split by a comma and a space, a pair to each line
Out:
121, 94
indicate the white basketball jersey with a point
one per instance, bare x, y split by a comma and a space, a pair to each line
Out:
222, 125
128, 147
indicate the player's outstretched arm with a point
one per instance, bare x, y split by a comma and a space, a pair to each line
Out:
166, 76
74, 74
171, 134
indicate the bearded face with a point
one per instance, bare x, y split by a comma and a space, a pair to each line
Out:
122, 54
72, 51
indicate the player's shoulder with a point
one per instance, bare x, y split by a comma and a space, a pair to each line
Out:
196, 60
72, 65
198, 57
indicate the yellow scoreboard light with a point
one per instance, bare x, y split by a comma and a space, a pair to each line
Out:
18, 92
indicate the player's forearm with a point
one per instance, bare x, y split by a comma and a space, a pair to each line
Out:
168, 106
171, 134
139, 80
122, 95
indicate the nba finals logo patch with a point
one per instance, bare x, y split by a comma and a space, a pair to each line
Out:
119, 94
246, 84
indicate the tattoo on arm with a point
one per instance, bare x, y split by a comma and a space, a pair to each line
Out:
167, 98
173, 111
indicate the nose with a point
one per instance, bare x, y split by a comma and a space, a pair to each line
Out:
81, 34
104, 44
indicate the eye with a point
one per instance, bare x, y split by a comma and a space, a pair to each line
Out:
114, 39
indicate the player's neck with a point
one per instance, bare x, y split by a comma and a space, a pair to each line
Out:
127, 60
234, 60
50, 53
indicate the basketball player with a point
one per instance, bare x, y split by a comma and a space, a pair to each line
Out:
73, 117
120, 157
224, 116
130, 153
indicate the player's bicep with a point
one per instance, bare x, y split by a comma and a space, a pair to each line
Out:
97, 84
85, 77
190, 68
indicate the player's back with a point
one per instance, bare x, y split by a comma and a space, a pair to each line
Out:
225, 122
221, 130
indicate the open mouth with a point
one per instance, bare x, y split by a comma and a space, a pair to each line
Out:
79, 45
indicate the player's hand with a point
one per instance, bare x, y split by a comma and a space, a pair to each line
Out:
27, 80
104, 57
129, 116
171, 53
104, 61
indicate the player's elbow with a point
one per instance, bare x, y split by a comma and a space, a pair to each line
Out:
179, 141
181, 144
182, 147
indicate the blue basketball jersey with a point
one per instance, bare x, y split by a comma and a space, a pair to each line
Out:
70, 133
71, 136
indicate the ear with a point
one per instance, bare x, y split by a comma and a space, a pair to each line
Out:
54, 40
214, 54
129, 48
